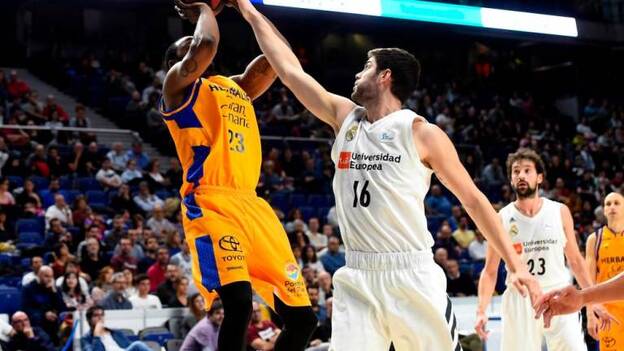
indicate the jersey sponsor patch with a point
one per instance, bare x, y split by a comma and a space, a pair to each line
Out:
343, 162
518, 247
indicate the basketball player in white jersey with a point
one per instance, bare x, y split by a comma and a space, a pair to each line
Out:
391, 290
543, 235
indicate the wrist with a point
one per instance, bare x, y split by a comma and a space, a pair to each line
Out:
584, 294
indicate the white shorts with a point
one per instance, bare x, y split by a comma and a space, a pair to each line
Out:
522, 332
397, 298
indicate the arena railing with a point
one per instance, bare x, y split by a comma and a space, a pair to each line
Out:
135, 135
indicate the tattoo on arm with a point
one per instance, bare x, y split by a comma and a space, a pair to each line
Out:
189, 64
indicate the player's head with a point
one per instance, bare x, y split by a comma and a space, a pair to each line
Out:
176, 52
613, 207
390, 69
526, 170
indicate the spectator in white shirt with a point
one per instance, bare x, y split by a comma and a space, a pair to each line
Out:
159, 223
59, 210
118, 157
107, 176
35, 264
145, 200
143, 299
131, 175
478, 247
318, 240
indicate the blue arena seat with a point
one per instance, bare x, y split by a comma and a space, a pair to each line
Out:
307, 212
40, 182
297, 200
10, 300
28, 225
88, 183
15, 181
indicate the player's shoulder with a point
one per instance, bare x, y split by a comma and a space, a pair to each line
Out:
507, 210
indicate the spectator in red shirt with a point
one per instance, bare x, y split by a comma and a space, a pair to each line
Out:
17, 87
261, 335
52, 106
156, 272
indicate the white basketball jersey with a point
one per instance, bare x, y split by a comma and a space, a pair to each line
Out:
540, 240
380, 184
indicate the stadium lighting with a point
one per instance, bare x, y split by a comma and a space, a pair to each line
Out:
436, 12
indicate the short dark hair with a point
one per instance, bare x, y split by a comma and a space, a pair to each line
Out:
139, 278
92, 310
404, 66
171, 54
216, 306
526, 154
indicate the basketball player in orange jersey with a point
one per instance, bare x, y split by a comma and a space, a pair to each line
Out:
391, 290
236, 241
605, 258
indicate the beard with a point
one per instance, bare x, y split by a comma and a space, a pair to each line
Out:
363, 93
525, 192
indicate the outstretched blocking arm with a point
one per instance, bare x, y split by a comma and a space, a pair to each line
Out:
201, 52
487, 284
437, 150
257, 78
330, 108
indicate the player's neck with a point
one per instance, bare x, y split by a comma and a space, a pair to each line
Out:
382, 108
616, 227
529, 206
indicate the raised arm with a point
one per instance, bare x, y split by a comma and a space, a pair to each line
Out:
487, 284
330, 108
437, 150
201, 51
257, 78
572, 252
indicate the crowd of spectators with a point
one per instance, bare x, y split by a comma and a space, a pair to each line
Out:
111, 233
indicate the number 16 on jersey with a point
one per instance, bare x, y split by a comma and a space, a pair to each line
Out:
361, 196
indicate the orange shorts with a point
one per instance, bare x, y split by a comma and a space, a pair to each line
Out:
235, 236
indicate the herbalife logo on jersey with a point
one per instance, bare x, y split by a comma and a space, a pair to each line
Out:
367, 162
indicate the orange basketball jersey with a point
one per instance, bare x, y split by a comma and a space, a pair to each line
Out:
216, 136
609, 263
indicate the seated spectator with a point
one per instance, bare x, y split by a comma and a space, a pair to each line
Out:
82, 121
59, 210
101, 338
6, 198
118, 230
333, 258
183, 260
322, 334
42, 302
437, 203
143, 299
458, 284
56, 163
72, 267
319, 309
103, 284
52, 107
137, 154
118, 157
440, 257
318, 240
124, 259
130, 289
116, 299
150, 254
493, 175
166, 290
145, 200
310, 259
131, 175
55, 234
196, 307
123, 201
205, 334
478, 247
463, 235
445, 239
157, 271
159, 223
154, 178
62, 255
261, 335
174, 174
92, 158
93, 232
74, 296
107, 175
326, 290
92, 259
27, 337
28, 195
181, 293
16, 87
35, 264
137, 249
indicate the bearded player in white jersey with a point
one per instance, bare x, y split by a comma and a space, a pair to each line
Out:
543, 235
390, 291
